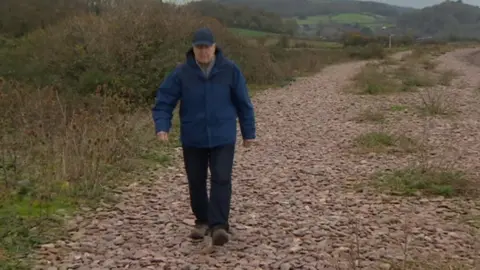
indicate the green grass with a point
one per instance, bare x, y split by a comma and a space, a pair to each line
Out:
424, 181
384, 142
26, 222
398, 108
343, 18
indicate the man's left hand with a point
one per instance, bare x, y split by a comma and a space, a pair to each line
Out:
248, 143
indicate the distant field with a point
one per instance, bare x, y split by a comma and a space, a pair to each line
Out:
342, 18
317, 43
251, 33
272, 38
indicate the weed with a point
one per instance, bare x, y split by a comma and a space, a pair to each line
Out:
435, 102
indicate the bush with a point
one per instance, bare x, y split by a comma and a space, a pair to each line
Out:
371, 51
355, 39
58, 151
50, 140
18, 18
129, 52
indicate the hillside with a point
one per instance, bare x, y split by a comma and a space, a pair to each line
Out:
446, 20
290, 8
328, 19
420, 4
245, 17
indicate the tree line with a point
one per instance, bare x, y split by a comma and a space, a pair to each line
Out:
245, 17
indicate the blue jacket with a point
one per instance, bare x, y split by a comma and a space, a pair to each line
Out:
209, 107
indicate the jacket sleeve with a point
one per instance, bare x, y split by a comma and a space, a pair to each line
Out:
243, 104
167, 97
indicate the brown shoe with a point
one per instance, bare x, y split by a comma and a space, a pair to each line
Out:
219, 237
199, 231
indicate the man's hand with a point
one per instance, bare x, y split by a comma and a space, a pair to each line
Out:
162, 136
248, 143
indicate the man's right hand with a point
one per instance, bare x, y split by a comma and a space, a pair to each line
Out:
162, 136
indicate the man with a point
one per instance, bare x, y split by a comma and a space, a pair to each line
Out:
212, 92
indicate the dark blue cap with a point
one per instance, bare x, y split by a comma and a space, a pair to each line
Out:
203, 36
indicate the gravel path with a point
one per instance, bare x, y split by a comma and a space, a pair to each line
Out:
295, 202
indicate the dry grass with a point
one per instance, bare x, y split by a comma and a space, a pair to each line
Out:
412, 72
447, 76
59, 151
372, 81
376, 79
412, 76
49, 138
435, 102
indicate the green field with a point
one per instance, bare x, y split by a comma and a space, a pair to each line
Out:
343, 18
251, 33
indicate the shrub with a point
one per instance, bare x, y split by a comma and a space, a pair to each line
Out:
370, 51
129, 49
370, 80
58, 150
18, 18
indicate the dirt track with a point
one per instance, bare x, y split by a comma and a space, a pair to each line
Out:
295, 203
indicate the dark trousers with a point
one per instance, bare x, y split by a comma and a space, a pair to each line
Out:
214, 211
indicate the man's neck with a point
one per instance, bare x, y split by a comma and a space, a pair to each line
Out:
206, 67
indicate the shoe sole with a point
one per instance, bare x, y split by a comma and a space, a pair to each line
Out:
219, 239
196, 238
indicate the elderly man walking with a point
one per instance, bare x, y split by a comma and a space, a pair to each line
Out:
213, 93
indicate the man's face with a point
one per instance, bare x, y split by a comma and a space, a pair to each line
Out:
204, 53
